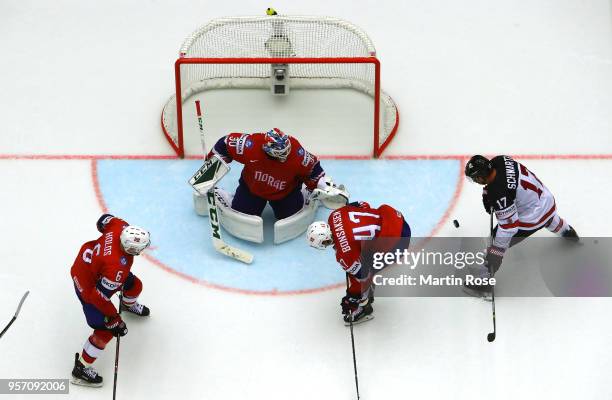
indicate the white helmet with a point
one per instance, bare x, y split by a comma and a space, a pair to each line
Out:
319, 235
134, 240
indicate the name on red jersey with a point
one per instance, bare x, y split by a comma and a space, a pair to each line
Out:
340, 233
271, 181
108, 243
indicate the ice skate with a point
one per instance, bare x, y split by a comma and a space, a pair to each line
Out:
363, 314
137, 308
85, 376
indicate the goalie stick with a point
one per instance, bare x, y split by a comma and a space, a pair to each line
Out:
213, 215
16, 314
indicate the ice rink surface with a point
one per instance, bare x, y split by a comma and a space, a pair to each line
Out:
82, 88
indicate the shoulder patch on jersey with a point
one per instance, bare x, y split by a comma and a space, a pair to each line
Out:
300, 151
308, 158
239, 142
123, 260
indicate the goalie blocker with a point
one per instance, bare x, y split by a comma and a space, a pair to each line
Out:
208, 175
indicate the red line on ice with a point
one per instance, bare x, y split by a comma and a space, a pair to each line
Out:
323, 157
158, 263
96, 185
454, 199
458, 189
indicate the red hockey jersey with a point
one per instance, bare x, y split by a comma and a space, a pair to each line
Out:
101, 267
353, 225
267, 177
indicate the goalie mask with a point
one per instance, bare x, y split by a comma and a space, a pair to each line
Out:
277, 144
319, 235
134, 240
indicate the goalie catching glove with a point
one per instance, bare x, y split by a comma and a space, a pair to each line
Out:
332, 196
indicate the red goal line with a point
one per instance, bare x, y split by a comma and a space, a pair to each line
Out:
323, 157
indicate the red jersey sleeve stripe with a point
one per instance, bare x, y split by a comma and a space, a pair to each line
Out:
509, 226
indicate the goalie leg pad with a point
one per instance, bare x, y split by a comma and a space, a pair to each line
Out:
200, 204
293, 226
240, 225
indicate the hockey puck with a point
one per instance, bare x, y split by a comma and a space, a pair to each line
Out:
456, 223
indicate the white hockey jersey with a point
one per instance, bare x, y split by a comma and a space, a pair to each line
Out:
520, 200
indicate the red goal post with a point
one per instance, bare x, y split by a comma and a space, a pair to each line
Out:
208, 61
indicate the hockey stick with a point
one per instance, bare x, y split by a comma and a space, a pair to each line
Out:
491, 336
16, 314
213, 216
117, 351
353, 342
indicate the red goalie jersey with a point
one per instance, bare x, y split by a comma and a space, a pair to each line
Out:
264, 176
355, 223
101, 267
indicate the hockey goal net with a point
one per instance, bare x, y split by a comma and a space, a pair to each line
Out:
280, 54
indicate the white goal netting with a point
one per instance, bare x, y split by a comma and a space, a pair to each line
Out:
310, 53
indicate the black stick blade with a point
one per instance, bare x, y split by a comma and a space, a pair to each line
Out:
491, 336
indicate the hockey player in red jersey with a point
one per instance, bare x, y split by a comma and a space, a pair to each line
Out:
522, 206
275, 167
348, 229
101, 269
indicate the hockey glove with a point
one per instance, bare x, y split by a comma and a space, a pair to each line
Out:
116, 325
350, 303
494, 259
